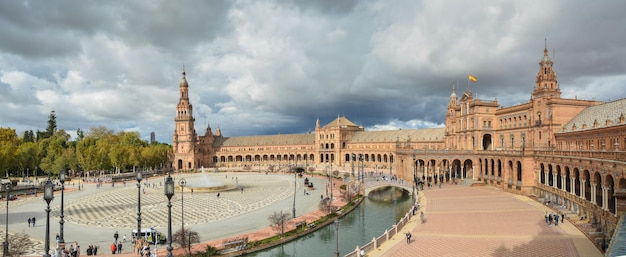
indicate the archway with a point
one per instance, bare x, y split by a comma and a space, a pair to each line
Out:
611, 193
487, 142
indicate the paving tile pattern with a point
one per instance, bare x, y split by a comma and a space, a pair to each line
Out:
483, 221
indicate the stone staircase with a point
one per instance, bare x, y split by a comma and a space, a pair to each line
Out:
617, 247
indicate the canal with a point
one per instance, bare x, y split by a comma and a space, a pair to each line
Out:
378, 212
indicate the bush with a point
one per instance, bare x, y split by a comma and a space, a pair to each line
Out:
184, 237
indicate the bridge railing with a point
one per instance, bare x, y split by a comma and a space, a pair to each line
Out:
377, 241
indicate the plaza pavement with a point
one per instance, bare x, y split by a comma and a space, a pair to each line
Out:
92, 215
484, 221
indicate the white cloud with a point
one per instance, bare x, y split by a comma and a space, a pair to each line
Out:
267, 67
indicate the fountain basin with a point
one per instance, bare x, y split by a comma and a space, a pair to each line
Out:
210, 189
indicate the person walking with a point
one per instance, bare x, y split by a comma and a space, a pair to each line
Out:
33, 221
119, 247
113, 248
29, 220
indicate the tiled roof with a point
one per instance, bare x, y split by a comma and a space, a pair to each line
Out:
611, 111
427, 134
340, 122
287, 139
415, 135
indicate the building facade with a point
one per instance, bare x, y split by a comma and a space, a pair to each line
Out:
570, 152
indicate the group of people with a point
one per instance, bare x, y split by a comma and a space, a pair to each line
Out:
553, 218
142, 247
72, 251
116, 248
31, 221
92, 250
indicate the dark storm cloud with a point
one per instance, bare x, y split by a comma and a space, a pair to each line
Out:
269, 67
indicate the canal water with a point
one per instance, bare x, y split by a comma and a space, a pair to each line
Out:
370, 219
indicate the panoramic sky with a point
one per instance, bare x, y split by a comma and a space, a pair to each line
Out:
275, 67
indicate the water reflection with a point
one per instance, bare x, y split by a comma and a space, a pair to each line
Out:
369, 220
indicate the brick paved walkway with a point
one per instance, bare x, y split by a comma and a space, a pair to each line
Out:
483, 221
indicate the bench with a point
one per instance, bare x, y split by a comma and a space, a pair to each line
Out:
235, 242
300, 224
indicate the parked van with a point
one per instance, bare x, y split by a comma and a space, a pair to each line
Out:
151, 235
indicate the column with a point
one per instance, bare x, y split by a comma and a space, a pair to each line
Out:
554, 180
563, 186
605, 197
582, 188
546, 177
462, 175
593, 193
572, 188
472, 172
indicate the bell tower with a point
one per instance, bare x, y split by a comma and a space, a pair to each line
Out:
546, 85
185, 134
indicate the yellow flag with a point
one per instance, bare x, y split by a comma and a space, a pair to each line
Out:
472, 78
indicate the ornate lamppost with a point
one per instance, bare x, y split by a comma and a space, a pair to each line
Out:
295, 185
5, 244
182, 182
48, 195
139, 177
61, 246
415, 174
352, 158
362, 168
336, 237
169, 192
390, 164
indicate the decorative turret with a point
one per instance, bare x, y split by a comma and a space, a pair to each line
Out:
546, 85
185, 134
453, 98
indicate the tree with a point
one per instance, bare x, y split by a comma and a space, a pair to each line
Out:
29, 136
184, 237
52, 124
51, 150
326, 205
351, 191
27, 156
277, 221
80, 135
19, 244
8, 146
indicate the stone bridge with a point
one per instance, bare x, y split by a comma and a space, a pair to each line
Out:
371, 185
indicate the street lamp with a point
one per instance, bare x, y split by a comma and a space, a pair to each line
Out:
182, 182
352, 158
169, 192
390, 164
362, 169
48, 195
415, 173
295, 185
139, 177
61, 222
337, 237
5, 244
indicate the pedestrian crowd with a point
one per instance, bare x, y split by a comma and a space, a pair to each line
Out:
553, 218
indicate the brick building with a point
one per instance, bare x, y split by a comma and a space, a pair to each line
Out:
568, 151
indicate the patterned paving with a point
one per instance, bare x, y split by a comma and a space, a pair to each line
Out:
118, 207
482, 221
